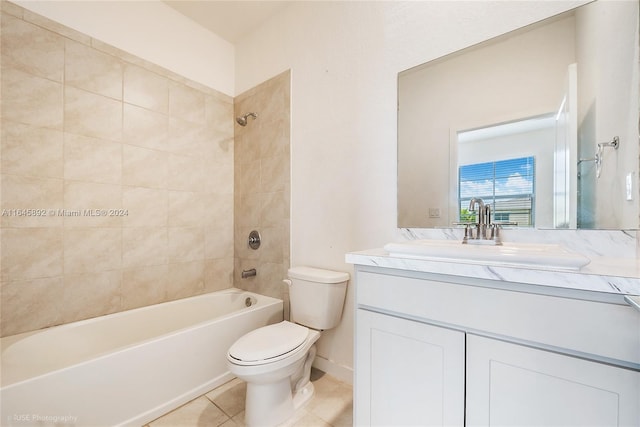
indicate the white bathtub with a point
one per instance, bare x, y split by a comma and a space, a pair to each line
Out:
126, 368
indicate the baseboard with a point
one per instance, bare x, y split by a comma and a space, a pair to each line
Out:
343, 373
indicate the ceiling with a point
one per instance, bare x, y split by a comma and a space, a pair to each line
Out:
229, 19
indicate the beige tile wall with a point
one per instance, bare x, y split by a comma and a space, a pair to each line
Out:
262, 187
85, 126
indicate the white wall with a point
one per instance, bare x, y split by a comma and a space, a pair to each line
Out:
150, 30
344, 58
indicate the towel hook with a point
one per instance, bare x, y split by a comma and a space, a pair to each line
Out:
615, 143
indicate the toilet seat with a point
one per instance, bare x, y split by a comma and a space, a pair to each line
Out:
268, 344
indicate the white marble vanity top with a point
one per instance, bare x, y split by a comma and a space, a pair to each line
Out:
620, 276
487, 252
610, 272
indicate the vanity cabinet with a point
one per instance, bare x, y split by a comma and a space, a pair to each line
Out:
445, 350
510, 384
409, 373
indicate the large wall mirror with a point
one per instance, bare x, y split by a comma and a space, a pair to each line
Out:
542, 123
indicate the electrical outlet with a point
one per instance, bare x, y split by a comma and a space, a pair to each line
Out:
629, 186
434, 212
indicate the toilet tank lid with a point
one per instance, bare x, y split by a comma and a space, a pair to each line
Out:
318, 275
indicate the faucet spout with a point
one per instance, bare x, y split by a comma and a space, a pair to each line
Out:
487, 214
481, 210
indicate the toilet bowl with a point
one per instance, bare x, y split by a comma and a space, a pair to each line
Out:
276, 360
270, 359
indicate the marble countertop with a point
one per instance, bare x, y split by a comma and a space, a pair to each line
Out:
602, 274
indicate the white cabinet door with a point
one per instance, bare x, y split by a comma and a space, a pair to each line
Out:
407, 373
514, 385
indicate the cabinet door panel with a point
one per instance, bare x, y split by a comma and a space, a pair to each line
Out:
514, 385
408, 373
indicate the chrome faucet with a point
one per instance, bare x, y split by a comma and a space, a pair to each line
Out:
485, 231
481, 209
481, 225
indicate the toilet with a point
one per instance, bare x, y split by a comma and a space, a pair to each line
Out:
275, 360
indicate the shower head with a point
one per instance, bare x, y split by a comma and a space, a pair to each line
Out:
242, 120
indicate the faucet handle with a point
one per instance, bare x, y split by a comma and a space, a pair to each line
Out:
495, 234
468, 230
466, 224
495, 231
468, 233
501, 223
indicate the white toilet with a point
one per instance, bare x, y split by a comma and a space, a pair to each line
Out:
275, 360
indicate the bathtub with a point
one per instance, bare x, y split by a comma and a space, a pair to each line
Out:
126, 368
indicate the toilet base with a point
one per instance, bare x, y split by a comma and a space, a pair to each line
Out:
273, 404
268, 404
303, 396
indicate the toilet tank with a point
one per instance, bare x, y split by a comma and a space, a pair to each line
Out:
317, 296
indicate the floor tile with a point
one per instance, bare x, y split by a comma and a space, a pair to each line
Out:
333, 401
198, 412
303, 418
331, 406
229, 397
233, 422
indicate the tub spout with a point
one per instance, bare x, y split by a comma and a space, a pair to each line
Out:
249, 273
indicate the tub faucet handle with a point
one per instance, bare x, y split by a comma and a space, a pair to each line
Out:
254, 240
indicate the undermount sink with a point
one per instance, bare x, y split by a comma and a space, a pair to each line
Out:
520, 254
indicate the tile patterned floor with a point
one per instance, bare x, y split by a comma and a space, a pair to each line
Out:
332, 406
